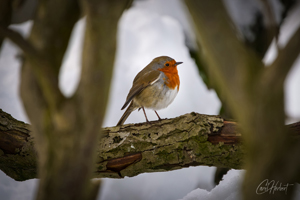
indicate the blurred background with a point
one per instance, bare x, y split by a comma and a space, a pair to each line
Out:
151, 28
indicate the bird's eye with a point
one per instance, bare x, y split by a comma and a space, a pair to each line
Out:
167, 64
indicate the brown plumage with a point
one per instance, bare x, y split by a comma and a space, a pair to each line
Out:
154, 87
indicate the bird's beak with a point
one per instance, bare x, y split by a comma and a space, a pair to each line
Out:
178, 63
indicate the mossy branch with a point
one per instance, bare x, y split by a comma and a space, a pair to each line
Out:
188, 140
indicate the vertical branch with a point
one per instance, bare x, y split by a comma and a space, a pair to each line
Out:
232, 65
254, 93
98, 58
97, 65
66, 130
49, 39
45, 105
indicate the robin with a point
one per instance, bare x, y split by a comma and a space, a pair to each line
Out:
155, 87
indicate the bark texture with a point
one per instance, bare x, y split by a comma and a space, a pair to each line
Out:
18, 159
165, 145
188, 140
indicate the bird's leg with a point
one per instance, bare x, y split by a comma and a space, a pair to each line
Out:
157, 115
145, 115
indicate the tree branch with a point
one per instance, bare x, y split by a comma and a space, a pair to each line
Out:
232, 65
42, 74
98, 54
188, 140
285, 59
44, 50
21, 42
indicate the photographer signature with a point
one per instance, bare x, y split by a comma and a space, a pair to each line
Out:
271, 187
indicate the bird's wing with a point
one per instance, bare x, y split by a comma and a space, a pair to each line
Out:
142, 80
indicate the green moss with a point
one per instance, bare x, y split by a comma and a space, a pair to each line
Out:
18, 167
117, 152
168, 145
100, 167
141, 145
162, 154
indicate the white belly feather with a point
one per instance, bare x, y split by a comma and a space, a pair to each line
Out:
156, 97
166, 100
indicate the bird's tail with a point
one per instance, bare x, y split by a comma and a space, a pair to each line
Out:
126, 114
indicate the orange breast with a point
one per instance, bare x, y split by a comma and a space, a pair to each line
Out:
173, 81
171, 73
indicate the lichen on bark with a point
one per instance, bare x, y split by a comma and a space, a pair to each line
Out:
168, 145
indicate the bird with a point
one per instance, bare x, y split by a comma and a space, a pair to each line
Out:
154, 87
